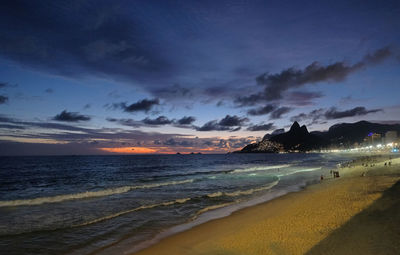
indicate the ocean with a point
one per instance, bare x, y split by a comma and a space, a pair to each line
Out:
119, 204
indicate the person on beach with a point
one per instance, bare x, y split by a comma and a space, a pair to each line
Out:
322, 178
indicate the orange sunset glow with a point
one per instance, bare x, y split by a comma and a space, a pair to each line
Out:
160, 150
129, 150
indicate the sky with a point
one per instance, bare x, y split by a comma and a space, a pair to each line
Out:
126, 77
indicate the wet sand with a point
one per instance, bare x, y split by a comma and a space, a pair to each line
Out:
353, 214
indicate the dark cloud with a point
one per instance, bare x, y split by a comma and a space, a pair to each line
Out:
251, 100
182, 143
261, 127
231, 121
333, 113
172, 92
212, 125
262, 110
71, 117
3, 99
318, 116
314, 116
89, 37
275, 85
49, 90
87, 106
144, 105
302, 98
126, 122
277, 114
10, 126
161, 120
89, 140
228, 123
186, 120
3, 84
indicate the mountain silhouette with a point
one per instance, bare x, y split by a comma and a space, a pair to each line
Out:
299, 139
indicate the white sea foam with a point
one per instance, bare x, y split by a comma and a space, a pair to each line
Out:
243, 192
259, 168
301, 170
177, 201
87, 194
209, 208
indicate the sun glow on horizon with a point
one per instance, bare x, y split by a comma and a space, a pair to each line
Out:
130, 150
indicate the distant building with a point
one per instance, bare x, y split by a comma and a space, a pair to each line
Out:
391, 136
373, 139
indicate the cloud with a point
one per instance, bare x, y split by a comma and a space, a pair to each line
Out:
314, 116
71, 117
109, 41
180, 143
302, 98
333, 113
277, 114
186, 120
251, 100
49, 91
3, 99
261, 127
318, 115
161, 120
126, 122
144, 105
275, 85
230, 121
172, 92
262, 110
212, 125
89, 140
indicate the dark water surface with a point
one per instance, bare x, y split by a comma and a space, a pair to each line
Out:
91, 204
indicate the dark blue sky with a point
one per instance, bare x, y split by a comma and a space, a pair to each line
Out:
76, 76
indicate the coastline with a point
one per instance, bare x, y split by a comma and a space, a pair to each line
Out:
290, 224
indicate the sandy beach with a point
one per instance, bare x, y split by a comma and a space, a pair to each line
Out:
358, 213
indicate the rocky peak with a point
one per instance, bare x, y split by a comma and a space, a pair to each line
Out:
295, 127
304, 129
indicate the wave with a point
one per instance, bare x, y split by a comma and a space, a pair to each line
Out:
190, 174
259, 168
176, 201
301, 170
184, 200
87, 194
209, 208
243, 192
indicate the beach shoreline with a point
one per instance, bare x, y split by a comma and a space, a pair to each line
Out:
290, 224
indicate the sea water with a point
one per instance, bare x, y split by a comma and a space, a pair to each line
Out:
118, 204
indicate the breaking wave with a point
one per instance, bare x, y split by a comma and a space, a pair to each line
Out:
301, 170
259, 168
87, 194
177, 201
243, 192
